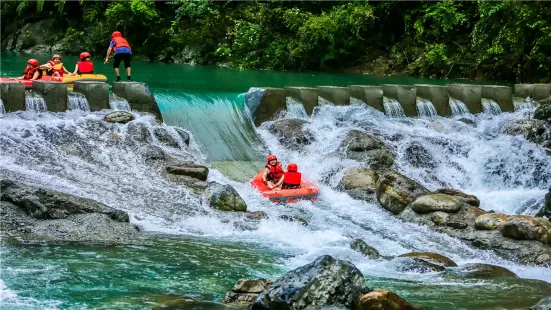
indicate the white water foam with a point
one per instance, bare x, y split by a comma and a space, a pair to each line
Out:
34, 102
523, 104
425, 108
118, 103
393, 108
490, 106
2, 108
78, 101
459, 108
295, 109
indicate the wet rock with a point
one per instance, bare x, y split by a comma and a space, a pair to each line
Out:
476, 270
436, 202
183, 134
153, 152
367, 250
546, 209
292, 132
544, 259
360, 183
326, 281
256, 215
138, 132
490, 221
532, 129
431, 258
439, 218
165, 137
383, 300
121, 117
418, 156
224, 198
191, 170
482, 243
395, 191
522, 227
543, 112
459, 195
245, 291
457, 225
543, 304
467, 121
290, 218
362, 146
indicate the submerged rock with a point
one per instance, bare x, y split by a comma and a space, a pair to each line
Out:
435, 261
326, 281
189, 169
360, 183
531, 129
256, 215
383, 300
543, 112
436, 202
418, 156
224, 198
291, 132
476, 270
165, 137
183, 134
367, 250
245, 291
522, 227
290, 218
395, 191
121, 117
362, 146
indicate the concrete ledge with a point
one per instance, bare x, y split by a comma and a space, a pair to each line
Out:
502, 95
406, 95
139, 97
97, 94
438, 95
272, 103
308, 96
471, 95
54, 94
371, 95
336, 95
13, 96
536, 91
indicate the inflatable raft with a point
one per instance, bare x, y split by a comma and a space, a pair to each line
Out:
69, 80
307, 191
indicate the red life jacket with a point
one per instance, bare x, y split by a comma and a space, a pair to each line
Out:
29, 73
120, 42
85, 67
276, 172
292, 179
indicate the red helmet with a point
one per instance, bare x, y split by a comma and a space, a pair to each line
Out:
33, 62
292, 168
56, 56
84, 55
272, 157
116, 34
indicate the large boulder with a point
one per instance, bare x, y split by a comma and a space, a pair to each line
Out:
367, 250
245, 291
120, 117
459, 195
522, 227
292, 132
476, 270
531, 129
224, 198
543, 112
395, 191
383, 300
490, 221
436, 202
365, 147
189, 169
543, 304
165, 137
326, 281
360, 183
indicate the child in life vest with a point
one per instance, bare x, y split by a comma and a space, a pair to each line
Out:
32, 71
55, 67
85, 65
292, 178
273, 173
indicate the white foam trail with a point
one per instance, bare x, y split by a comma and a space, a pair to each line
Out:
425, 108
393, 108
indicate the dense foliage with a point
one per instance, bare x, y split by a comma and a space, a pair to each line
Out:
509, 40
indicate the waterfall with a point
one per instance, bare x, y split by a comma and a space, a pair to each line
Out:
253, 98
295, 108
490, 107
523, 104
322, 101
118, 103
425, 108
458, 107
77, 101
2, 108
393, 108
34, 102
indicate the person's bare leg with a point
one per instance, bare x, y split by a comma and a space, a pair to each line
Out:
128, 71
270, 184
117, 72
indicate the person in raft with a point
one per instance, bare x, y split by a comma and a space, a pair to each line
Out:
32, 71
273, 173
85, 65
292, 178
123, 52
55, 67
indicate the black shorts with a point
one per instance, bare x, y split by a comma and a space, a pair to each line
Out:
122, 57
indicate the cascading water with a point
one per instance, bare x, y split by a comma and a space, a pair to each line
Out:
523, 104
78, 101
322, 101
34, 102
425, 108
2, 108
118, 103
295, 109
458, 107
490, 106
393, 108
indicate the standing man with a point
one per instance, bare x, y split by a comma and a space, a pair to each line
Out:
123, 52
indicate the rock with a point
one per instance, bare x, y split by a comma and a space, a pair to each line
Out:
290, 218
256, 215
365, 147
532, 129
138, 132
436, 202
432, 258
546, 209
360, 183
467, 121
153, 152
247, 290
224, 198
457, 225
395, 191
543, 112
439, 218
459, 195
291, 132
367, 250
326, 281
165, 138
418, 156
543, 259
383, 300
191, 170
490, 221
183, 134
476, 270
121, 117
543, 304
522, 227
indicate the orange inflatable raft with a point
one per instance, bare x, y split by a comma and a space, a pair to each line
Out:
307, 191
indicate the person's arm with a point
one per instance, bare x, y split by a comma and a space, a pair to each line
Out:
65, 71
111, 43
76, 69
46, 66
20, 78
265, 175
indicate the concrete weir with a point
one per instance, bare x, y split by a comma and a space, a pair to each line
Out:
308, 96
139, 97
272, 102
438, 95
13, 96
471, 95
502, 95
96, 93
405, 94
54, 94
336, 95
371, 95
536, 91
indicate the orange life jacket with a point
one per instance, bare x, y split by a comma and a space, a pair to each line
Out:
292, 180
276, 172
85, 67
57, 68
29, 73
120, 42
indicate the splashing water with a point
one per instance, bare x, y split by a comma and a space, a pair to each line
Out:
523, 104
2, 108
393, 108
34, 102
490, 107
459, 108
425, 108
322, 101
295, 109
78, 101
118, 103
